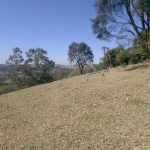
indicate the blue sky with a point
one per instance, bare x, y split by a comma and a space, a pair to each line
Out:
49, 24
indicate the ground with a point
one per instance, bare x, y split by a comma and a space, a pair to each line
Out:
99, 111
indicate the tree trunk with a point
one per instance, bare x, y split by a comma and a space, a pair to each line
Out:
81, 69
110, 66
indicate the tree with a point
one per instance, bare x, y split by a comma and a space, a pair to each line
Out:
107, 57
110, 56
123, 57
80, 54
137, 54
123, 19
141, 54
38, 66
14, 66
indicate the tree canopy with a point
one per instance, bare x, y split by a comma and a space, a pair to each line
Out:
39, 65
14, 64
32, 71
123, 19
80, 54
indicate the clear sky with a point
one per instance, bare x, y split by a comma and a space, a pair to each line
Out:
49, 24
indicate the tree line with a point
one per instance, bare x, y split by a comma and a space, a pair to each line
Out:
121, 57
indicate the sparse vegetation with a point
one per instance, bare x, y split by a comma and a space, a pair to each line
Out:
7, 88
106, 110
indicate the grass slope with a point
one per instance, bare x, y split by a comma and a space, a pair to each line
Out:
107, 110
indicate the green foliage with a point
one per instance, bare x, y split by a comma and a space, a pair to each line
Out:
102, 65
40, 64
118, 19
143, 48
80, 54
137, 54
38, 67
2, 78
30, 81
45, 78
6, 88
136, 102
109, 58
119, 56
133, 55
123, 58
141, 54
14, 64
33, 71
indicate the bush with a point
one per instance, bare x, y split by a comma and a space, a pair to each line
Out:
123, 58
141, 54
101, 66
6, 88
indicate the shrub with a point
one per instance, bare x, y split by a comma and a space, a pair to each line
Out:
6, 88
101, 66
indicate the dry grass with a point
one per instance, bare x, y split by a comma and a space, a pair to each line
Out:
102, 111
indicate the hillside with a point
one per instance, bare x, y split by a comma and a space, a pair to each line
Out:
101, 111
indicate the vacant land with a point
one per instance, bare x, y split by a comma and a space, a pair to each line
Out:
105, 110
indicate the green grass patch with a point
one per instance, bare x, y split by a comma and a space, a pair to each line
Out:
64, 106
136, 102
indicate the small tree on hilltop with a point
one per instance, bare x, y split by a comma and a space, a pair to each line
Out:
80, 54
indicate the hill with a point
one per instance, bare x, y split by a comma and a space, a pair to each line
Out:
106, 110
